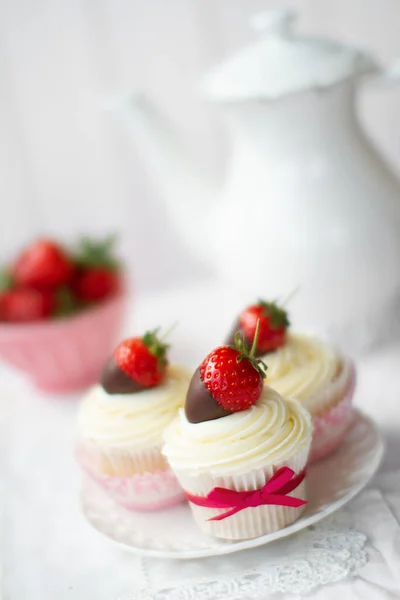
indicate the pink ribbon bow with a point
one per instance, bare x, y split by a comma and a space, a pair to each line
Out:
274, 492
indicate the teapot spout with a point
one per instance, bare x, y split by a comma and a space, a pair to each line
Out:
179, 181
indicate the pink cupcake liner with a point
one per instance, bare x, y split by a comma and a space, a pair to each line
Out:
330, 428
64, 355
146, 491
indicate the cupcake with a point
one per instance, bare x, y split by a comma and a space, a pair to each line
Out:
239, 449
306, 369
121, 422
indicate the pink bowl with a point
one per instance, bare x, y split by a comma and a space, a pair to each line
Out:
64, 355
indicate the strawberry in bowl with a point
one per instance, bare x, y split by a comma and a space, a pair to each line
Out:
60, 312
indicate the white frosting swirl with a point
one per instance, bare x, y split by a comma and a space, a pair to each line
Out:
302, 368
268, 433
123, 421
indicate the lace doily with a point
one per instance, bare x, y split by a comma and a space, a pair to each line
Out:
324, 553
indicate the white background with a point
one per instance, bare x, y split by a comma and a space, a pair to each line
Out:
66, 165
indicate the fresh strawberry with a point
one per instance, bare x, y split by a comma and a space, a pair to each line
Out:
273, 325
98, 271
144, 359
233, 376
96, 284
44, 264
26, 304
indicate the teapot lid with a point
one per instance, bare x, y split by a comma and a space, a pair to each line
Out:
282, 62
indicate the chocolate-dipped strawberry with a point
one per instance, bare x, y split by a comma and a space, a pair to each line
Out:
136, 364
273, 321
229, 379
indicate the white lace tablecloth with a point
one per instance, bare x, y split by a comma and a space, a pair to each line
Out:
50, 552
361, 542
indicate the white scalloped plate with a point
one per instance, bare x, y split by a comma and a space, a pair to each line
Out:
172, 533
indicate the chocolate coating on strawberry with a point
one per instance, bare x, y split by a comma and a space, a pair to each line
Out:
142, 360
115, 381
230, 379
200, 405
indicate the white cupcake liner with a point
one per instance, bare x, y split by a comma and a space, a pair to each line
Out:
249, 522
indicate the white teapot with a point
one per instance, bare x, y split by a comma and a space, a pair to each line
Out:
307, 200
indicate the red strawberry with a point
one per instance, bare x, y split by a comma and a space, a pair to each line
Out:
98, 271
96, 284
143, 359
43, 264
26, 304
233, 376
273, 324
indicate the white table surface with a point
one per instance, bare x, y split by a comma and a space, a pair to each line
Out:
49, 551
